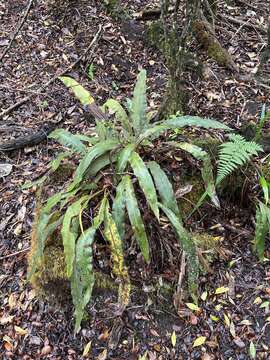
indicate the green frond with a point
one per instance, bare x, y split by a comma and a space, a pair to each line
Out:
206, 170
135, 218
119, 207
116, 108
145, 181
55, 163
79, 91
187, 120
82, 278
188, 246
69, 230
235, 153
164, 187
96, 151
139, 104
262, 229
68, 140
119, 268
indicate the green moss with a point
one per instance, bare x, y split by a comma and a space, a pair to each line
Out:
189, 200
63, 173
213, 48
155, 35
265, 170
50, 281
206, 241
208, 248
218, 53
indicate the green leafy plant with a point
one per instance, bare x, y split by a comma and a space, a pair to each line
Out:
262, 224
263, 119
235, 153
118, 149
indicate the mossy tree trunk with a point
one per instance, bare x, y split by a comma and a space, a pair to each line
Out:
200, 21
265, 57
175, 51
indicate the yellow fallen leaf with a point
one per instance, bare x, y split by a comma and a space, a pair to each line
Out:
173, 339
7, 339
87, 349
199, 341
226, 320
20, 330
246, 322
257, 301
193, 307
204, 295
214, 318
6, 319
221, 290
103, 355
12, 301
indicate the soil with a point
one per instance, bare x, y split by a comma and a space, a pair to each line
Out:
233, 321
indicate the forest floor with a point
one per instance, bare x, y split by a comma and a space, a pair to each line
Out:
51, 39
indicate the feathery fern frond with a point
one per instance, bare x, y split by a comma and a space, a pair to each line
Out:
235, 153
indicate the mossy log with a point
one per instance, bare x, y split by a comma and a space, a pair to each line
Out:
205, 36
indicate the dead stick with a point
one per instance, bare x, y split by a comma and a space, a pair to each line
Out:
43, 87
246, 24
18, 30
15, 253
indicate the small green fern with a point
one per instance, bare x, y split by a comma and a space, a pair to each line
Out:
235, 153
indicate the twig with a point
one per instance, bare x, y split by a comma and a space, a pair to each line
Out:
249, 4
245, 24
30, 3
67, 69
15, 253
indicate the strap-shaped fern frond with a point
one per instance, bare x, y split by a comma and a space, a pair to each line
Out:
235, 153
262, 229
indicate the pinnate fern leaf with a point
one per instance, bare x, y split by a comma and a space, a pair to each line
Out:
235, 153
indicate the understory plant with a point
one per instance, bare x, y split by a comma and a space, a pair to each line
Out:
113, 172
262, 219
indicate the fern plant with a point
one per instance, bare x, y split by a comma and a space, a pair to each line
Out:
118, 144
262, 220
235, 153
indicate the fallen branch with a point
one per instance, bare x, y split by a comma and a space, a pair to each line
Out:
15, 253
92, 47
30, 140
17, 30
245, 24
